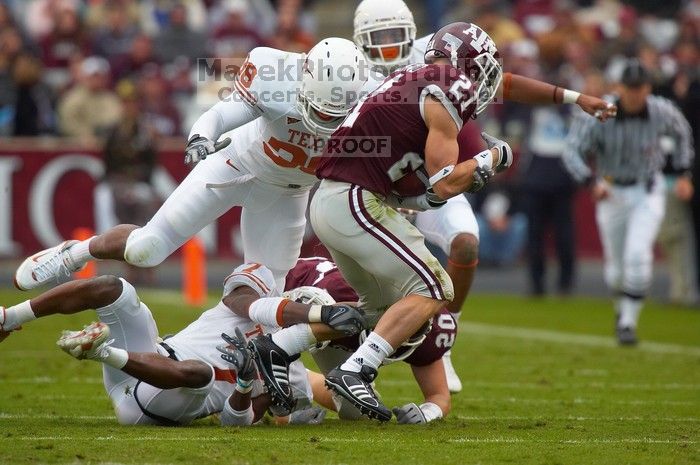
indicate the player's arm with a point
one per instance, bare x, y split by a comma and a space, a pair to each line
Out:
447, 177
239, 108
682, 157
336, 320
522, 89
433, 383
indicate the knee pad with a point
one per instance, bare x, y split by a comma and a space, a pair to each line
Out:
146, 249
613, 276
637, 273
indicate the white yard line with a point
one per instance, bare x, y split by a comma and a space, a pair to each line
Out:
575, 418
241, 437
514, 332
598, 385
14, 416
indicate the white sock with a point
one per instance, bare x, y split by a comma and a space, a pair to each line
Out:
114, 357
629, 311
372, 353
267, 311
13, 317
233, 417
294, 339
80, 252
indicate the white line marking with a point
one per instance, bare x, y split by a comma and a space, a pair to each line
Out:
13, 416
359, 440
573, 418
48, 416
571, 338
576, 400
597, 385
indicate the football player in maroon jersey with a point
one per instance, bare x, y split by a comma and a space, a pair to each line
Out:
386, 32
415, 115
423, 351
418, 111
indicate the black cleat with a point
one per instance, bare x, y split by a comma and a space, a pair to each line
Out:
626, 336
273, 366
356, 388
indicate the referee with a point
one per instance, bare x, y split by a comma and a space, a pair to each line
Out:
627, 185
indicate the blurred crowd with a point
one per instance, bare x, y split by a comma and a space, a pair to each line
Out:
67, 67
580, 45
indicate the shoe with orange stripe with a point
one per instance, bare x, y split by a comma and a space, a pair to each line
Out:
87, 343
49, 265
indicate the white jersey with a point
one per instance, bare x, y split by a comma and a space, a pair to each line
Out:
276, 147
198, 341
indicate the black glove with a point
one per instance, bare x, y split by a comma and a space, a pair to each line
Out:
236, 353
480, 178
344, 318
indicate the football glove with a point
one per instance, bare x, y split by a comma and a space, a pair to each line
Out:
344, 318
198, 148
480, 178
505, 154
409, 414
308, 416
236, 353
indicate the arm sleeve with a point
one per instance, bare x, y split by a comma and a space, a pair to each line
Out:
224, 116
679, 127
579, 143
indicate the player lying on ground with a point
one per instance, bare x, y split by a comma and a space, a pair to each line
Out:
268, 169
318, 281
386, 32
185, 377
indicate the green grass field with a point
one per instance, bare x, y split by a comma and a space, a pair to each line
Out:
544, 383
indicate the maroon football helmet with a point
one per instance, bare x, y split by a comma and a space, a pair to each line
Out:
469, 48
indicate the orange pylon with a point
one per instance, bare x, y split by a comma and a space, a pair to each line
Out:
194, 275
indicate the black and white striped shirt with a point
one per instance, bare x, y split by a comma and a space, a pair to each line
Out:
627, 148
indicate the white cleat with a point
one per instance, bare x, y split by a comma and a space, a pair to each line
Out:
46, 266
454, 384
85, 344
4, 334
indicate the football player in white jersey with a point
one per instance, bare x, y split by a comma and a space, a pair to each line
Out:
190, 375
283, 108
386, 32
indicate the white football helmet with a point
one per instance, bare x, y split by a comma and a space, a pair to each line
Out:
407, 348
333, 76
309, 295
385, 31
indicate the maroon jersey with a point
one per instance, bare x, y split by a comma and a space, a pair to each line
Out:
323, 273
383, 139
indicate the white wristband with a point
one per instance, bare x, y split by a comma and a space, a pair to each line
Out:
570, 96
315, 314
431, 411
484, 159
443, 173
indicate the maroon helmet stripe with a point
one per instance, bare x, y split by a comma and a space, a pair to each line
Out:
394, 244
